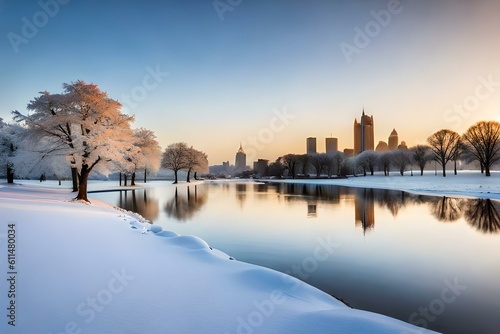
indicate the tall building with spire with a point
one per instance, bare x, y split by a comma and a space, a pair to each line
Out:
363, 134
241, 159
393, 140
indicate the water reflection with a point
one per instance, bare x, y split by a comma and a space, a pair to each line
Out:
483, 214
446, 209
143, 205
186, 203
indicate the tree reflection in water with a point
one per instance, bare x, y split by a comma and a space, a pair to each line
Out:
446, 209
146, 207
483, 214
184, 206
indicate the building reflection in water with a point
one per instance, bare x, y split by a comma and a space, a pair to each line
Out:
185, 203
482, 214
364, 209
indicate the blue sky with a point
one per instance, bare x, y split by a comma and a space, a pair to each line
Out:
227, 79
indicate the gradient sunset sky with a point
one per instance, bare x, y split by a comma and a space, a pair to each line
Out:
233, 65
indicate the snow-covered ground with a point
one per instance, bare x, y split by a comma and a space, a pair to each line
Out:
90, 268
465, 184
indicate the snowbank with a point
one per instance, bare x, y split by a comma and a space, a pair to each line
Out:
80, 268
465, 184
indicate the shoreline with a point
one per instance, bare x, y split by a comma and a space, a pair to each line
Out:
467, 184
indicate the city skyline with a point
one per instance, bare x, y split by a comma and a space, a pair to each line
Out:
268, 73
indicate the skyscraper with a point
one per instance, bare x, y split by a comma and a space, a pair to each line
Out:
363, 134
393, 140
331, 144
311, 145
241, 159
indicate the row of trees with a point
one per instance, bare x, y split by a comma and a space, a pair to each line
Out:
480, 143
84, 131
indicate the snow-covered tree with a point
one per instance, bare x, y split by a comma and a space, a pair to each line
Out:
367, 160
145, 153
401, 159
7, 149
319, 162
83, 124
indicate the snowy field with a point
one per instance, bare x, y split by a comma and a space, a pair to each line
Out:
465, 184
90, 268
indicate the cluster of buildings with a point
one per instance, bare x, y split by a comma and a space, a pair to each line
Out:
364, 139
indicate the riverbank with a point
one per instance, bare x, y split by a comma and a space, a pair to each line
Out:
91, 268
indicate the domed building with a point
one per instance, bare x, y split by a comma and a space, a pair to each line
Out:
402, 146
382, 147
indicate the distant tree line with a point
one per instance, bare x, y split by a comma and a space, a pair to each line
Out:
480, 143
83, 131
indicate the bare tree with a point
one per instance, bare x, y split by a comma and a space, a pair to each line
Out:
304, 160
385, 162
291, 162
335, 163
421, 154
401, 159
444, 144
482, 140
319, 161
175, 158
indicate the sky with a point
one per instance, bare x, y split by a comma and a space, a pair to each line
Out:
264, 73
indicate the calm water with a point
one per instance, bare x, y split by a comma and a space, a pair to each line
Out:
431, 261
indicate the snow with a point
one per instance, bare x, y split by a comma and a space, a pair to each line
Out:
91, 268
464, 184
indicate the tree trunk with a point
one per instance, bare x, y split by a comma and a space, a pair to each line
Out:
421, 171
444, 170
455, 167
175, 174
120, 179
187, 178
145, 172
74, 178
488, 171
125, 179
482, 167
82, 187
10, 174
132, 180
195, 176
